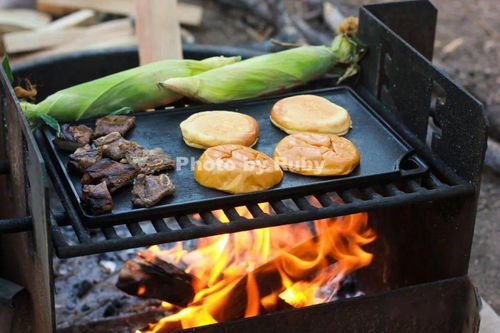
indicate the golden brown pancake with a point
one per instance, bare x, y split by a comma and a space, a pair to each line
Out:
237, 169
212, 128
310, 113
315, 154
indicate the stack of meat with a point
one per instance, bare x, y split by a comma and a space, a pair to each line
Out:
108, 162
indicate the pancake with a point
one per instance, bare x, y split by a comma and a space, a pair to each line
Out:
310, 113
212, 128
236, 169
315, 154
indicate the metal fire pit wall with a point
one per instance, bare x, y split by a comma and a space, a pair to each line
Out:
424, 224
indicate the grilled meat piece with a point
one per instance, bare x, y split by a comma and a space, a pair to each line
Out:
149, 189
97, 198
115, 174
109, 124
115, 146
107, 139
72, 137
117, 150
149, 161
84, 158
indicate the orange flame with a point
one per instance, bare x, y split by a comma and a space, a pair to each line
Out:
305, 266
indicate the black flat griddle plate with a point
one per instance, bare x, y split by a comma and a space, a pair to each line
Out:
381, 152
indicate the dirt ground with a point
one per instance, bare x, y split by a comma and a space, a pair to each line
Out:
468, 48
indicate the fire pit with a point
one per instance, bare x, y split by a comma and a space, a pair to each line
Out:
389, 248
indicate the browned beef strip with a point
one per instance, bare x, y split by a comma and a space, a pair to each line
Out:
107, 139
149, 161
96, 198
84, 158
108, 124
117, 149
72, 137
149, 189
115, 174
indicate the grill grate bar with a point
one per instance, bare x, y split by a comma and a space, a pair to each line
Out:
209, 218
110, 233
184, 222
57, 235
256, 210
393, 190
135, 229
434, 182
371, 193
325, 200
160, 225
279, 207
348, 197
414, 186
232, 214
303, 203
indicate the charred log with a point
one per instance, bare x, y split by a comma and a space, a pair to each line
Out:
268, 280
149, 276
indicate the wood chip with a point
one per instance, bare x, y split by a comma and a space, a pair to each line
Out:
79, 18
104, 35
332, 16
22, 19
453, 45
187, 13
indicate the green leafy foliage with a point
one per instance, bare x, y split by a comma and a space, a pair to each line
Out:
6, 68
123, 110
50, 121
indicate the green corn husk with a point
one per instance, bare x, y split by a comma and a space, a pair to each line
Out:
269, 73
134, 89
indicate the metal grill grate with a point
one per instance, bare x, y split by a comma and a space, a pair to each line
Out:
75, 240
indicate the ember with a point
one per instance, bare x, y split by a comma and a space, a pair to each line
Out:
260, 271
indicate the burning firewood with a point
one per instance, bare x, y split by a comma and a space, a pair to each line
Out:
248, 274
149, 276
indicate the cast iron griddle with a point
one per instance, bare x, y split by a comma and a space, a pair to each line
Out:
380, 149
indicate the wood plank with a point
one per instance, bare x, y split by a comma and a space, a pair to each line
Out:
22, 19
158, 30
187, 13
76, 19
25, 258
105, 35
54, 11
25, 41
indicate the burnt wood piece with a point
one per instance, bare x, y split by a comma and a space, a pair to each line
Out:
115, 174
109, 124
97, 199
149, 276
268, 279
149, 161
72, 137
84, 157
149, 189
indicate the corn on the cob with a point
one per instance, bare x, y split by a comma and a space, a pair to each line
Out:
133, 89
267, 73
